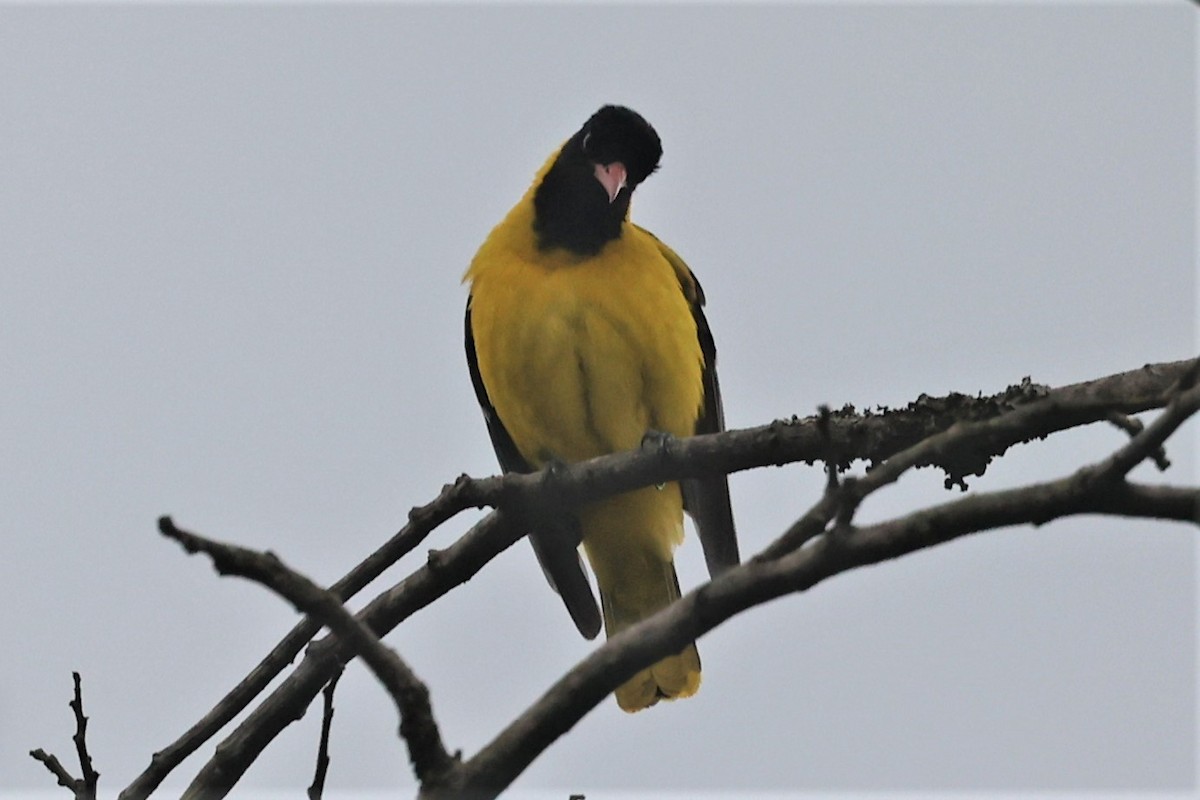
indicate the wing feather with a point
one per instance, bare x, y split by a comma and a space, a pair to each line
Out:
706, 499
555, 539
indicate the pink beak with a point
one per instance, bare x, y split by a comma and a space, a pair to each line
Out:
612, 178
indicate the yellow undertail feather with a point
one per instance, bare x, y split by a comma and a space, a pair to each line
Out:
673, 677
637, 578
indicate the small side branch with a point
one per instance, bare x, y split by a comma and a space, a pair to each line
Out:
56, 769
1133, 426
1148, 442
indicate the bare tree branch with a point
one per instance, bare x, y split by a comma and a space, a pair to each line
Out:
83, 788
444, 570
422, 520
873, 436
417, 727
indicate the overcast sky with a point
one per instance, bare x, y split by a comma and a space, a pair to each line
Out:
231, 240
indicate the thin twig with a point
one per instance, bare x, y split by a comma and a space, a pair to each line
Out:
317, 789
90, 776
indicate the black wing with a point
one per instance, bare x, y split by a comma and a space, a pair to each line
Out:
707, 499
556, 538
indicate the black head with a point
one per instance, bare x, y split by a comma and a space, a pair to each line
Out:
582, 201
618, 134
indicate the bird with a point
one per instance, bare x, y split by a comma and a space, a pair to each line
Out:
585, 335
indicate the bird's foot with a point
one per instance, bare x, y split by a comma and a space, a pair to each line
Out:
659, 442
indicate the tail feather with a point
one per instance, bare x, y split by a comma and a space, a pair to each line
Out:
674, 676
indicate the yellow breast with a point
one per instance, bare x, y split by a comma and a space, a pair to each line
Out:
581, 357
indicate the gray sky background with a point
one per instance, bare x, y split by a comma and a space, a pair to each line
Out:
231, 240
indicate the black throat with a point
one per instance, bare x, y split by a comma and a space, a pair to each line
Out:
572, 211
571, 206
